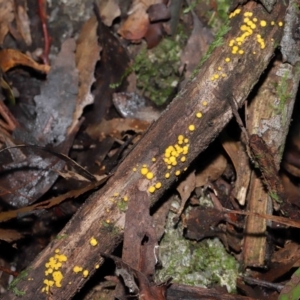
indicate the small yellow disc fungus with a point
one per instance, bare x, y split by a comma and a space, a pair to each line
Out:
167, 175
144, 171
216, 76
97, 267
57, 250
241, 51
191, 127
93, 242
183, 159
227, 59
199, 115
153, 159
219, 68
177, 173
85, 273
134, 169
180, 137
263, 23
151, 189
254, 19
280, 24
125, 198
169, 167
158, 185
107, 221
116, 194
186, 140
149, 175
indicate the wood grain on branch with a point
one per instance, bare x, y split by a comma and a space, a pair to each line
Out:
100, 217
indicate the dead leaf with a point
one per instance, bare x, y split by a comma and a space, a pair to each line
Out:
6, 17
197, 45
9, 235
109, 10
87, 55
136, 25
23, 24
212, 171
8, 215
185, 188
240, 161
10, 58
116, 127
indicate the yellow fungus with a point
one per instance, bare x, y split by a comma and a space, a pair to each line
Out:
167, 175
174, 163
149, 175
151, 189
134, 169
116, 194
183, 159
169, 167
212, 78
204, 103
144, 166
125, 198
185, 169
223, 75
158, 185
107, 221
235, 48
97, 266
199, 115
191, 127
216, 76
227, 59
219, 68
241, 51
177, 173
280, 24
144, 171
186, 140
153, 159
57, 250
246, 20
85, 273
263, 23
57, 276
93, 242
253, 26
254, 19
180, 137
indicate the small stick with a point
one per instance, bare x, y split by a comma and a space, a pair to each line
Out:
47, 39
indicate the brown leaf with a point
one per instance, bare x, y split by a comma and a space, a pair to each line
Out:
109, 10
9, 235
87, 55
212, 171
137, 23
116, 127
23, 24
6, 17
10, 58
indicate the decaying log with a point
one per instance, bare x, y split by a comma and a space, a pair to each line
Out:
101, 217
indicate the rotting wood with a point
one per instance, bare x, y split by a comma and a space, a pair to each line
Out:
100, 217
269, 117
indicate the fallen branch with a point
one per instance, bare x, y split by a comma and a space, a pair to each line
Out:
199, 113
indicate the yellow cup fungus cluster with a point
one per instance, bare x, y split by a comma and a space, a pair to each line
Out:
78, 269
250, 26
53, 274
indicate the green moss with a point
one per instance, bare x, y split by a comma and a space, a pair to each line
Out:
282, 91
13, 285
122, 205
198, 264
